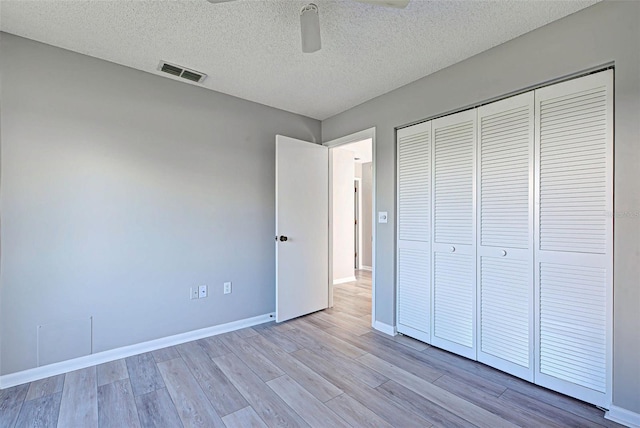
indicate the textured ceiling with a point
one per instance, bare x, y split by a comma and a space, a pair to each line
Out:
251, 48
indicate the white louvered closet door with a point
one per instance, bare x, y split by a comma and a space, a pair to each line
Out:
505, 235
574, 237
414, 231
454, 258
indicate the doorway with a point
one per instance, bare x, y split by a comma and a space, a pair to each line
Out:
351, 208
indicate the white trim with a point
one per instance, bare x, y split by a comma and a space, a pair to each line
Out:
623, 416
343, 280
352, 138
385, 328
363, 267
43, 372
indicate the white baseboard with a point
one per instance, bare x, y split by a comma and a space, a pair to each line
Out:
343, 280
30, 375
385, 328
623, 416
363, 267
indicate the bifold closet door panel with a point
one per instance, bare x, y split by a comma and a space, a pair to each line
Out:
414, 231
454, 257
505, 235
574, 237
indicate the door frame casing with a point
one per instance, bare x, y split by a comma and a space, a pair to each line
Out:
365, 134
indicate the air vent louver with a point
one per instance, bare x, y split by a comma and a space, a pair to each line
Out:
185, 73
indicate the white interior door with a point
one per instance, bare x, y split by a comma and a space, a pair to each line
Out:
414, 231
505, 235
302, 228
574, 240
454, 264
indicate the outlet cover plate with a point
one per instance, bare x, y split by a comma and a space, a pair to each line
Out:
227, 288
202, 291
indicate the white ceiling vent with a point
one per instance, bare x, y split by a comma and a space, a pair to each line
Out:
185, 73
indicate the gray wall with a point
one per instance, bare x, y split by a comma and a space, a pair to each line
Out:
120, 190
608, 31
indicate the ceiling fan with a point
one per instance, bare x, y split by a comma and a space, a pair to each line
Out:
310, 21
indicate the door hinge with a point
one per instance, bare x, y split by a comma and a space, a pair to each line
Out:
356, 221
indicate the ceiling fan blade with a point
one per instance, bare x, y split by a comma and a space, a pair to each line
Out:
400, 4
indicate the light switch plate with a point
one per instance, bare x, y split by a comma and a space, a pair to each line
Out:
382, 216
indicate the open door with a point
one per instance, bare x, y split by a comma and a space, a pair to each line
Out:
302, 228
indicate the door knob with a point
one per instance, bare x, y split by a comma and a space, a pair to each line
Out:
283, 238
452, 249
503, 253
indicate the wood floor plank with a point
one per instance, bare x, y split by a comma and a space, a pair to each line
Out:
260, 365
391, 412
143, 373
410, 342
79, 405
563, 417
117, 406
356, 414
41, 412
112, 371
505, 410
43, 387
451, 402
354, 327
164, 354
363, 373
224, 397
319, 339
213, 346
246, 332
243, 418
392, 352
156, 410
418, 404
192, 404
318, 386
11, 400
275, 336
267, 404
306, 405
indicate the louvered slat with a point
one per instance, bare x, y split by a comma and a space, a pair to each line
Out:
573, 324
504, 309
414, 291
505, 143
568, 168
414, 181
453, 293
453, 191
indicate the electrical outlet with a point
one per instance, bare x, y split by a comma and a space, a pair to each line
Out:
227, 288
202, 291
194, 293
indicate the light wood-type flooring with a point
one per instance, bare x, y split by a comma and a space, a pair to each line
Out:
328, 369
